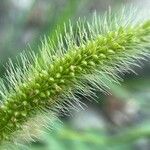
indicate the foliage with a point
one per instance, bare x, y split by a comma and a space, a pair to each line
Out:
65, 138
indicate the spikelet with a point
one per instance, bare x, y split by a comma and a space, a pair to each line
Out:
86, 59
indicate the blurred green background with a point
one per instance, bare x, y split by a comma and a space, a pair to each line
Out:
120, 121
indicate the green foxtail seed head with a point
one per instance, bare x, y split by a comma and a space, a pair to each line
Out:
86, 56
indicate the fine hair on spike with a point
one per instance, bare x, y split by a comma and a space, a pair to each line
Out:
88, 58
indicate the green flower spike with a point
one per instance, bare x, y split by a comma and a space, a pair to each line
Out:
83, 59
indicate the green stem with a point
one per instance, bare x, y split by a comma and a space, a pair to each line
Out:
128, 136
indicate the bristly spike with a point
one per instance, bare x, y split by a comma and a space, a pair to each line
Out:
85, 59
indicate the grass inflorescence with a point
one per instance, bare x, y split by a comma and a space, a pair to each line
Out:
83, 57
